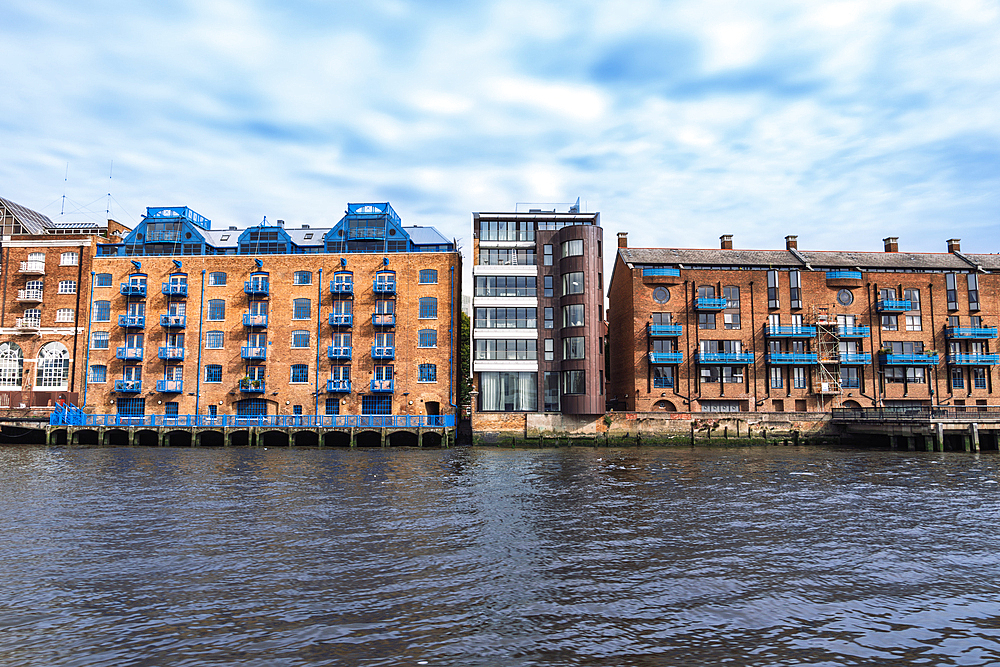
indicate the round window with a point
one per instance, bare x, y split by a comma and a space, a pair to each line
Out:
392, 231
139, 236
661, 295
844, 297
187, 235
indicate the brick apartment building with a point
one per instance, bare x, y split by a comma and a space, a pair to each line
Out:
360, 318
769, 330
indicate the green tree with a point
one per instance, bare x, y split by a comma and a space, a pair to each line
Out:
464, 360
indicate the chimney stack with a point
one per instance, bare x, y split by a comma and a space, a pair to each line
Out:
891, 243
281, 223
791, 243
727, 241
622, 239
954, 245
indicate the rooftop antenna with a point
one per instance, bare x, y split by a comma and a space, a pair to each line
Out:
107, 210
62, 209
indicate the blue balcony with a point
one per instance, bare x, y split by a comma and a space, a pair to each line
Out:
248, 386
129, 353
132, 321
843, 275
175, 289
384, 286
337, 352
974, 359
170, 386
257, 353
970, 333
702, 303
338, 386
128, 386
383, 319
254, 320
173, 321
664, 330
383, 352
133, 289
341, 288
793, 358
666, 357
663, 383
730, 358
855, 358
341, 319
789, 331
661, 271
171, 353
256, 287
907, 359
382, 386
845, 331
893, 306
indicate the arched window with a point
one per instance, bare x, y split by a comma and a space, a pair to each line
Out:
11, 366
53, 366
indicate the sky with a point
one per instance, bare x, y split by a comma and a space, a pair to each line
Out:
840, 122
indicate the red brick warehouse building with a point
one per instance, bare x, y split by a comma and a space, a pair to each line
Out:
732, 330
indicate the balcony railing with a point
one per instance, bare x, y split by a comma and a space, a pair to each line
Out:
382, 386
974, 359
383, 352
338, 386
129, 353
254, 320
661, 271
732, 358
664, 330
893, 306
170, 386
341, 288
384, 286
175, 289
341, 319
789, 331
970, 333
32, 266
171, 353
34, 295
128, 386
338, 352
889, 359
133, 289
254, 352
663, 383
132, 321
855, 358
256, 287
75, 417
702, 303
383, 319
251, 386
792, 358
29, 323
848, 331
666, 357
173, 321
839, 275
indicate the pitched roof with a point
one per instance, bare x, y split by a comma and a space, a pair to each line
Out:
33, 221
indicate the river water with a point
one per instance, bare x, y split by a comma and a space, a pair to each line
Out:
763, 556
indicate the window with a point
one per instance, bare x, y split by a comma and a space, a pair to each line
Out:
795, 289
975, 321
67, 287
549, 318
912, 322
850, 378
53, 366
772, 289
572, 315
213, 373
662, 318
428, 308
376, 405
216, 278
131, 407
573, 347
11, 365
913, 296
547, 255
508, 392
300, 338
103, 280
214, 340
574, 382
300, 373
332, 406
890, 323
731, 320
506, 318
973, 281
302, 278
953, 321
99, 340
216, 309
775, 376
551, 388
799, 377
170, 409
572, 283
732, 296
951, 291
428, 338
64, 315
572, 248
706, 292
102, 311
724, 374
301, 309
98, 374
979, 377
706, 320
505, 285
69, 259
957, 378
548, 282
720, 346
549, 349
904, 347
428, 276
427, 373
915, 375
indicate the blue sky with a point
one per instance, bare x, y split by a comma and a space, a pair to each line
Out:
841, 122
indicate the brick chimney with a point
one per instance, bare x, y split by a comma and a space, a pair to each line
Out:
791, 243
891, 243
954, 245
726, 241
622, 239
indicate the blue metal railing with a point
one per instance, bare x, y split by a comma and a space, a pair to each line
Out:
665, 330
133, 289
907, 359
383, 352
128, 386
171, 353
341, 319
382, 386
384, 286
834, 275
663, 383
341, 287
974, 359
132, 321
254, 320
338, 386
175, 289
338, 352
789, 331
847, 331
980, 333
854, 358
666, 357
252, 386
661, 271
738, 358
129, 353
893, 306
383, 319
170, 386
702, 303
173, 321
256, 287
799, 358
253, 352
68, 416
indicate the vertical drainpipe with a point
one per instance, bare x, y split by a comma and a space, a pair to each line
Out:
201, 325
451, 342
76, 322
86, 369
319, 320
